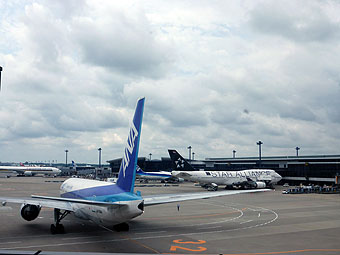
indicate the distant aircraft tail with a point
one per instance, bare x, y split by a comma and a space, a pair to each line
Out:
179, 163
139, 170
74, 166
127, 171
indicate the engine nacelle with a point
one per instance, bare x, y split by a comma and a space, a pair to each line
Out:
30, 212
28, 173
260, 185
212, 187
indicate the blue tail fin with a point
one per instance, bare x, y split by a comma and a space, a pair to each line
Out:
127, 171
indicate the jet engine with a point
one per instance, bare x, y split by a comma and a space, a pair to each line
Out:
212, 187
260, 185
28, 173
30, 212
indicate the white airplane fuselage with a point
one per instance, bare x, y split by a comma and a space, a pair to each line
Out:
101, 214
154, 175
267, 176
32, 170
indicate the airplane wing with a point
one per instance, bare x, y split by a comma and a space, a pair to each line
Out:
170, 198
56, 202
63, 205
12, 170
18, 171
74, 200
183, 174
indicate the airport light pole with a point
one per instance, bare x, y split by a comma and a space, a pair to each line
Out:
193, 155
189, 147
297, 151
259, 143
234, 152
150, 154
66, 151
100, 157
0, 76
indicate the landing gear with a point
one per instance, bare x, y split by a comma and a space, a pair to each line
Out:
122, 227
58, 228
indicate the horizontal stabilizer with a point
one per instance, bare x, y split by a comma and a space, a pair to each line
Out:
79, 201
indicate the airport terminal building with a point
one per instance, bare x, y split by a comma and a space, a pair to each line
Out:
315, 168
318, 168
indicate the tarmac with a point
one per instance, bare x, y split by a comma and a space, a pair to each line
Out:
259, 223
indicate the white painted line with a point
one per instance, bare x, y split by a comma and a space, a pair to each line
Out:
10, 242
246, 221
211, 227
79, 237
151, 232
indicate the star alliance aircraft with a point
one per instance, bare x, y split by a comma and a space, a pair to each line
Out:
105, 203
247, 179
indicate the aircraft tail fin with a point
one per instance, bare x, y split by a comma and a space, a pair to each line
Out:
178, 162
139, 170
127, 171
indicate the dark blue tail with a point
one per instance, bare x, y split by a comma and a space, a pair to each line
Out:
179, 163
127, 171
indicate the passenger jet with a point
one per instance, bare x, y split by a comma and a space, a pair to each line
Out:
247, 179
157, 176
32, 170
105, 203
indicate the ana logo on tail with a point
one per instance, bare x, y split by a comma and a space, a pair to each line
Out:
129, 146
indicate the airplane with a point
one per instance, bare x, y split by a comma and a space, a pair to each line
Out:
247, 179
23, 170
157, 176
105, 203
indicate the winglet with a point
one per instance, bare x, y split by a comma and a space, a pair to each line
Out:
127, 171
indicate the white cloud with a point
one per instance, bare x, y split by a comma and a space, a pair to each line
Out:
216, 75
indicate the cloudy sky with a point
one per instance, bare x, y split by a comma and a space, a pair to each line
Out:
217, 75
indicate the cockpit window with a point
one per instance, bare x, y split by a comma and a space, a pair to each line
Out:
207, 173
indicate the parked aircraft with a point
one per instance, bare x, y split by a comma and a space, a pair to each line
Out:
247, 179
102, 202
157, 176
23, 170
